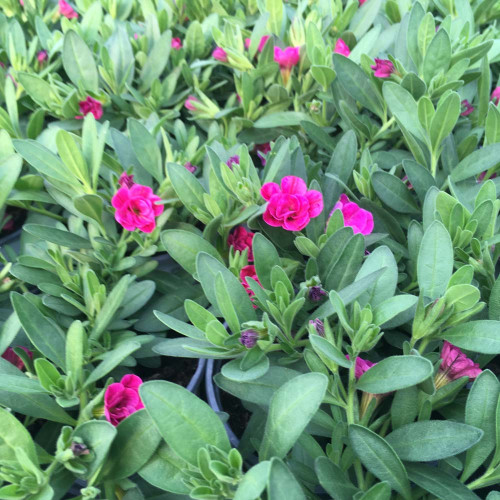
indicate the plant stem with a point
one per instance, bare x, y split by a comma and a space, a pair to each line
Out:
42, 211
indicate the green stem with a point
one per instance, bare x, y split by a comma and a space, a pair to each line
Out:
423, 345
434, 162
42, 211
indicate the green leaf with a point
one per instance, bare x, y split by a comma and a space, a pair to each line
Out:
393, 192
281, 119
444, 119
282, 484
421, 179
329, 351
473, 164
146, 149
10, 168
394, 373
438, 56
334, 480
478, 336
393, 306
380, 491
292, 407
184, 247
433, 440
58, 236
364, 17
90, 205
9, 331
79, 63
233, 371
379, 458
186, 185
38, 89
136, 440
253, 482
156, 61
265, 258
435, 261
13, 434
44, 333
185, 422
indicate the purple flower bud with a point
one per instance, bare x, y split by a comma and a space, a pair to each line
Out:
319, 326
249, 338
316, 293
233, 160
79, 449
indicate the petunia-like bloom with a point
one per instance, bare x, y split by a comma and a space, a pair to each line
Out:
262, 43
220, 54
66, 10
190, 167
190, 102
342, 48
287, 58
469, 108
318, 325
176, 44
249, 338
13, 358
121, 399
383, 68
42, 56
356, 217
495, 96
136, 208
234, 160
262, 150
455, 364
240, 239
316, 293
249, 272
90, 105
361, 366
290, 206
126, 180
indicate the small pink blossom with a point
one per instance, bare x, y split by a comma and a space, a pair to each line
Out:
42, 56
290, 206
121, 399
220, 54
234, 160
495, 96
90, 105
126, 180
361, 366
455, 364
14, 359
342, 48
262, 150
383, 68
176, 44
66, 10
240, 239
359, 219
469, 108
361, 2
136, 208
262, 43
190, 167
136, 36
21, 3
190, 103
287, 58
249, 272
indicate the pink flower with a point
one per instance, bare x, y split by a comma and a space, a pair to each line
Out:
190, 103
292, 206
176, 44
136, 208
288, 57
356, 217
66, 10
21, 2
126, 180
361, 2
234, 160
42, 56
469, 108
220, 54
262, 43
455, 364
240, 239
13, 358
249, 272
361, 366
342, 48
190, 167
121, 399
262, 150
383, 68
90, 105
247, 43
495, 96
136, 36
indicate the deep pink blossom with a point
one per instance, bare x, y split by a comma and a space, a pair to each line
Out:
126, 180
66, 10
121, 399
262, 150
455, 364
176, 44
342, 48
361, 366
262, 43
290, 206
356, 217
136, 208
287, 58
190, 103
13, 358
249, 272
240, 239
383, 68
190, 167
361, 2
42, 56
495, 96
90, 105
220, 54
469, 108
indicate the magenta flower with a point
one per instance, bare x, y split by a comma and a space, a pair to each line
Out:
234, 160
383, 68
495, 96
361, 366
290, 206
249, 272
121, 399
136, 208
126, 180
342, 48
361, 2
90, 105
190, 167
66, 10
176, 44
240, 239
455, 364
356, 217
288, 57
42, 56
482, 175
220, 54
316, 293
249, 338
14, 359
190, 103
469, 108
136, 36
262, 43
262, 150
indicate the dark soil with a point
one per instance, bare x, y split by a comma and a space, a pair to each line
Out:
238, 414
177, 370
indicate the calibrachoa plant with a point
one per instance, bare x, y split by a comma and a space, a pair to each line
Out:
291, 204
